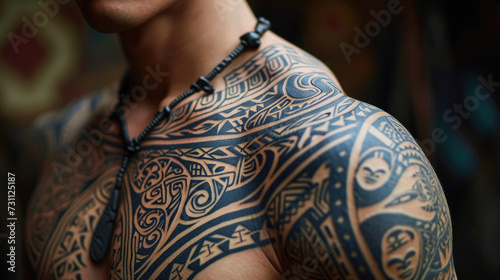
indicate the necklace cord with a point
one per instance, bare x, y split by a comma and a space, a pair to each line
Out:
101, 238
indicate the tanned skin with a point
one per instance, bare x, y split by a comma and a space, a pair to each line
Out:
277, 175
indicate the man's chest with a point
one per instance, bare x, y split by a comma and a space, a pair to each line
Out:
182, 207
205, 186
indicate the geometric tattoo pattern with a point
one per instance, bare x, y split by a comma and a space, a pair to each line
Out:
279, 161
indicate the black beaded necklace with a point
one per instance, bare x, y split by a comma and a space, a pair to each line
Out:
104, 229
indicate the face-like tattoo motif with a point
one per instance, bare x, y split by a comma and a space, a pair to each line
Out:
375, 170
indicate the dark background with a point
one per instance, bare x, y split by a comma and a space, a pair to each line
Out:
425, 62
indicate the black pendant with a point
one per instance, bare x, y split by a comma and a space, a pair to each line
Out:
104, 230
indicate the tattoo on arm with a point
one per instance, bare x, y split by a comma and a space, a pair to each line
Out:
369, 206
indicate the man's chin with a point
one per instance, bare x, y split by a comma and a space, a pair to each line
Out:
108, 20
110, 25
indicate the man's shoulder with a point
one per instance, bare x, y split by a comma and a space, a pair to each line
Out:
358, 197
278, 62
280, 84
351, 194
296, 88
55, 129
285, 92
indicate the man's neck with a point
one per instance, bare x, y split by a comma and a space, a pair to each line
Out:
186, 41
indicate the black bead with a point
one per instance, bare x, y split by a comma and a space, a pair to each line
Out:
203, 84
195, 87
133, 146
251, 40
262, 25
166, 110
119, 182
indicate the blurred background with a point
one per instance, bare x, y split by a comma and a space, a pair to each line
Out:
423, 64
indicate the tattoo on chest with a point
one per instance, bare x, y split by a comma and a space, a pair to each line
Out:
279, 158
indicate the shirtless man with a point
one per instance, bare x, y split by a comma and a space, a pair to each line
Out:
276, 175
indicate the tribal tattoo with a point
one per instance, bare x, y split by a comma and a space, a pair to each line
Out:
279, 166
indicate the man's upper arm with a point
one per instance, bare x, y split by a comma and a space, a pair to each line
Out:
364, 203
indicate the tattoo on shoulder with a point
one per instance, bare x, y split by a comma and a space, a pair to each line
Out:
363, 204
